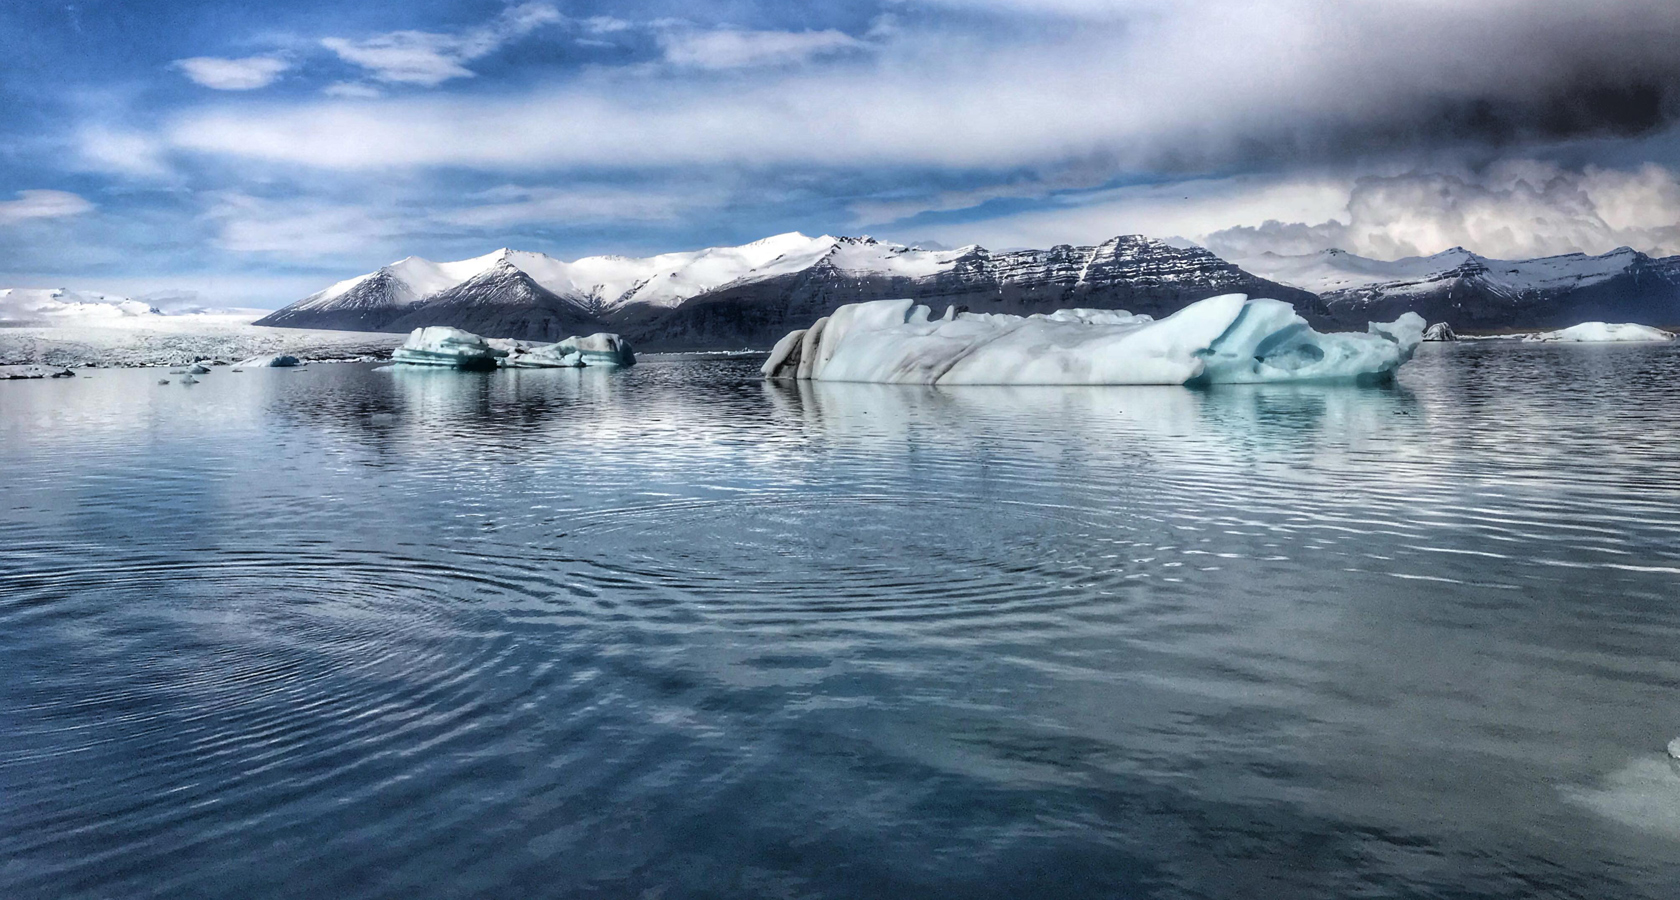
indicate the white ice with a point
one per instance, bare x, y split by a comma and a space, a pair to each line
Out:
440, 345
271, 361
1220, 340
1604, 332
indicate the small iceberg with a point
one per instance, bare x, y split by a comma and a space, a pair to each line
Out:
453, 348
8, 373
1674, 749
198, 369
445, 347
276, 361
599, 349
1228, 339
1440, 331
1605, 332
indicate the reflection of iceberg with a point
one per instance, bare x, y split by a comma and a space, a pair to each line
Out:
1644, 794
1221, 340
1200, 428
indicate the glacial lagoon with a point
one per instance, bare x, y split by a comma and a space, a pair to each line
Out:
674, 631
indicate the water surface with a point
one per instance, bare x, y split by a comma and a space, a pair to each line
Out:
673, 632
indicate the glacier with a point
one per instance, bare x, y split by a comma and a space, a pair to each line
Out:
443, 346
1228, 339
1604, 332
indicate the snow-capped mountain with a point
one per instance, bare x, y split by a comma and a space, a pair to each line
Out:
1476, 292
42, 306
749, 295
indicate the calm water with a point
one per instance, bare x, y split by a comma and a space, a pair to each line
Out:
672, 632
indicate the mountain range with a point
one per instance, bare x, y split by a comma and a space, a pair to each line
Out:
748, 296
1477, 293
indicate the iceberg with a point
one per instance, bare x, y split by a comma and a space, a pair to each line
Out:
443, 346
599, 349
1440, 331
1228, 339
440, 345
273, 361
9, 373
1604, 332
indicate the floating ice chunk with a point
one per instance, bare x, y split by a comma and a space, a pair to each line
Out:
32, 371
163, 381
440, 345
188, 379
276, 361
599, 349
1603, 332
525, 355
198, 369
1225, 339
1440, 331
1674, 749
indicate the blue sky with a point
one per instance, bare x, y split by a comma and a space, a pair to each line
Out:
252, 152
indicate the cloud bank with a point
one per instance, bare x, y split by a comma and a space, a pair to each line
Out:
1516, 211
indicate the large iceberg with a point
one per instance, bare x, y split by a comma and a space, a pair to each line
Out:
1221, 340
1604, 332
439, 345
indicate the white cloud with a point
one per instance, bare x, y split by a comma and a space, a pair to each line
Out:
42, 204
733, 49
245, 74
512, 205
1186, 208
1196, 85
121, 152
1518, 210
301, 229
429, 58
352, 90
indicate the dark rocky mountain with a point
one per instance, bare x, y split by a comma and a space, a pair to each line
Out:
502, 302
1132, 273
1476, 293
372, 304
749, 296
730, 298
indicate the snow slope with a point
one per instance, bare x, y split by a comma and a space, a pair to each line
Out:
604, 284
1332, 271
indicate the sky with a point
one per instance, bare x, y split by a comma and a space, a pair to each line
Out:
246, 154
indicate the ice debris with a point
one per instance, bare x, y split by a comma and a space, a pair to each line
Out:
1440, 331
8, 373
1674, 749
198, 369
1604, 332
453, 348
275, 361
1221, 340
